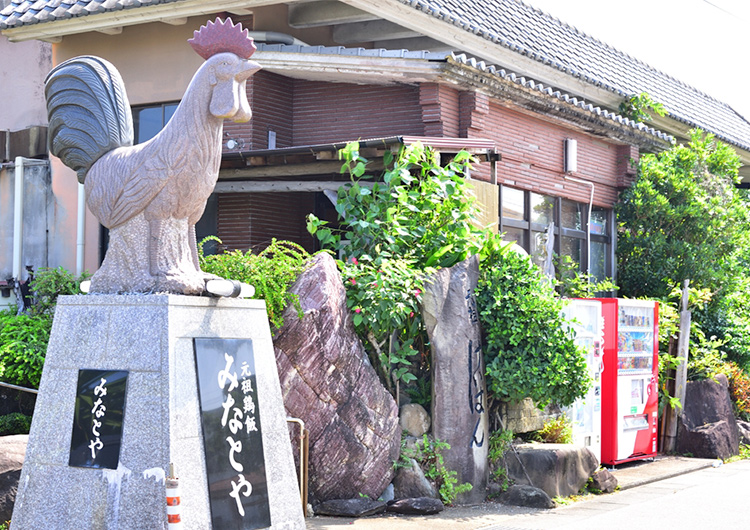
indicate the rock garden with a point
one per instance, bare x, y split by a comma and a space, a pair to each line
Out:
428, 359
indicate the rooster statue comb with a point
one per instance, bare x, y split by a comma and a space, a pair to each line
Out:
150, 195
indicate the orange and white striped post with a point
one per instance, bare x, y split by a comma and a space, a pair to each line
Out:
173, 500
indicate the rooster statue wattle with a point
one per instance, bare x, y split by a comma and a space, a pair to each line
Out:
150, 195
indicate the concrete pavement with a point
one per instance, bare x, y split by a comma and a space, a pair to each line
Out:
642, 485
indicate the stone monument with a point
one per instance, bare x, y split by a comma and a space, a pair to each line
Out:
459, 397
139, 376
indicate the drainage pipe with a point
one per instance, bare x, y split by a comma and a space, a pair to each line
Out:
18, 219
588, 221
275, 37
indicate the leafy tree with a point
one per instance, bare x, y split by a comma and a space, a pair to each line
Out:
418, 210
682, 219
394, 231
637, 106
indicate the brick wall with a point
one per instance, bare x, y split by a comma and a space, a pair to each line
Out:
271, 98
440, 110
334, 112
250, 220
532, 153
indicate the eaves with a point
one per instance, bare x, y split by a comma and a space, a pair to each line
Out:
463, 74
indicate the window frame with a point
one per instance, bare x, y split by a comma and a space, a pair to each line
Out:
528, 228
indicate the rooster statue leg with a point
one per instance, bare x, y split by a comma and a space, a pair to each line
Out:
194, 255
154, 234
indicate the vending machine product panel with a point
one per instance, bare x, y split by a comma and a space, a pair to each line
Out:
629, 380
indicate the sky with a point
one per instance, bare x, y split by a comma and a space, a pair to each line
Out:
704, 43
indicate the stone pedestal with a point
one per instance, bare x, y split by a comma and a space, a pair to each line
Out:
150, 336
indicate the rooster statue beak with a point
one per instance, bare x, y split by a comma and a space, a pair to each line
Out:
246, 69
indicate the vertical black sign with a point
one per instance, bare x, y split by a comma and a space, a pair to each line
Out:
236, 467
97, 424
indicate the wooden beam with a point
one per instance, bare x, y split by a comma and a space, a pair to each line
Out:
295, 170
282, 187
176, 21
111, 31
370, 31
332, 167
325, 13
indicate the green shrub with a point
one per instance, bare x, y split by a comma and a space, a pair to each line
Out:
14, 423
556, 431
50, 283
528, 349
23, 346
271, 272
501, 441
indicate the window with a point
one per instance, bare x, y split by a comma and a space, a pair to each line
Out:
527, 218
149, 120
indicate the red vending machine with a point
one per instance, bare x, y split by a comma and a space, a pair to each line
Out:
629, 381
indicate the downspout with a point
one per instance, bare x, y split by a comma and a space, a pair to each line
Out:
588, 222
18, 232
81, 230
20, 165
271, 37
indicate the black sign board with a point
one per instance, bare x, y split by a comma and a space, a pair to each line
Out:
97, 424
235, 464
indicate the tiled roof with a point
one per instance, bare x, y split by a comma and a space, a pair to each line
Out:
528, 31
508, 23
24, 12
567, 98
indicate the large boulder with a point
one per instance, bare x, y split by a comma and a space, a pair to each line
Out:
558, 469
328, 382
707, 427
459, 397
12, 453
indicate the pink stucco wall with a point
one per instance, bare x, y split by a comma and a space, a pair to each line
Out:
23, 67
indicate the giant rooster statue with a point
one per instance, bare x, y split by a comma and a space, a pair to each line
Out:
149, 195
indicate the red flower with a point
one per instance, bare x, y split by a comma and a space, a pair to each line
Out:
411, 314
357, 310
417, 292
354, 282
354, 260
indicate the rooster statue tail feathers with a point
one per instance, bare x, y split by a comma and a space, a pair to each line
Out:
89, 113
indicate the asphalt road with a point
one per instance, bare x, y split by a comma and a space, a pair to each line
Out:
714, 498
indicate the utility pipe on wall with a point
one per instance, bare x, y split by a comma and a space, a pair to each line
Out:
588, 221
18, 219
